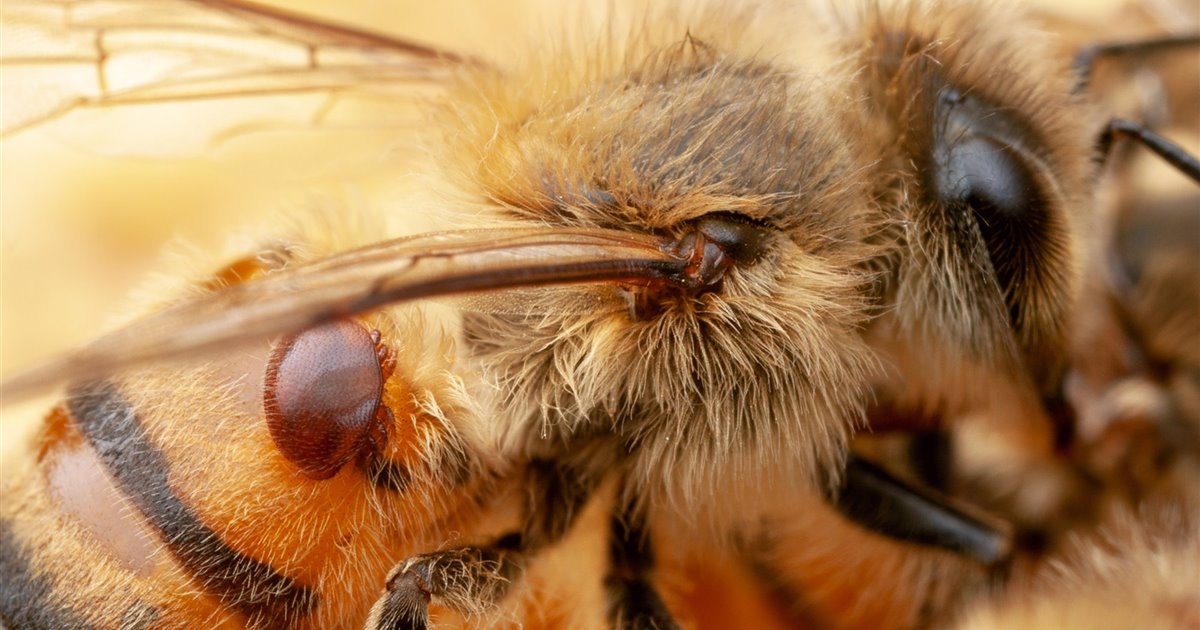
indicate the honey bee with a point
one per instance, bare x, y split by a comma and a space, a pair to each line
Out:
693, 252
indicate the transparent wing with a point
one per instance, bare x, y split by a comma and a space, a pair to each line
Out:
61, 55
430, 265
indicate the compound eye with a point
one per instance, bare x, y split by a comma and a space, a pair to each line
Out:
994, 180
991, 178
999, 211
321, 397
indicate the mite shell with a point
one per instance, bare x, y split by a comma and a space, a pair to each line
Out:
323, 396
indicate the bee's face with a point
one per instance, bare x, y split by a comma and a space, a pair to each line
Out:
918, 197
684, 138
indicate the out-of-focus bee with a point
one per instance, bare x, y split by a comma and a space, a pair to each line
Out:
1112, 507
1138, 570
1145, 210
704, 246
1135, 326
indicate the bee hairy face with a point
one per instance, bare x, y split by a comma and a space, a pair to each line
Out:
906, 217
686, 138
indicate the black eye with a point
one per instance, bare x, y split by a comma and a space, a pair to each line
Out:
996, 220
991, 178
977, 171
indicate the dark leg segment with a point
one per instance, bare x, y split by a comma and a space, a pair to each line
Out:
930, 453
633, 601
1174, 154
466, 580
472, 580
873, 498
1085, 60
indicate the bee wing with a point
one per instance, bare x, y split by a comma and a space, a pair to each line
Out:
59, 56
356, 281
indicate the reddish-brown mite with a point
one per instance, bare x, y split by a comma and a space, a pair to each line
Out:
323, 396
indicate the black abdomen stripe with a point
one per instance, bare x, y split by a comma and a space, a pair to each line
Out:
26, 598
140, 470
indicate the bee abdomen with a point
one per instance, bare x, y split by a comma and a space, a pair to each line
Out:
93, 535
28, 599
140, 471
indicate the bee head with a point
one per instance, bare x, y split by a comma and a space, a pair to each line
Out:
760, 361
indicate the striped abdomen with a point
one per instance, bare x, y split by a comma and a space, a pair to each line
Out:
162, 501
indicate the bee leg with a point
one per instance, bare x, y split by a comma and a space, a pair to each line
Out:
1172, 153
876, 500
1085, 59
472, 580
633, 601
930, 453
465, 579
925, 555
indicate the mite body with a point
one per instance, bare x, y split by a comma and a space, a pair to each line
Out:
716, 242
